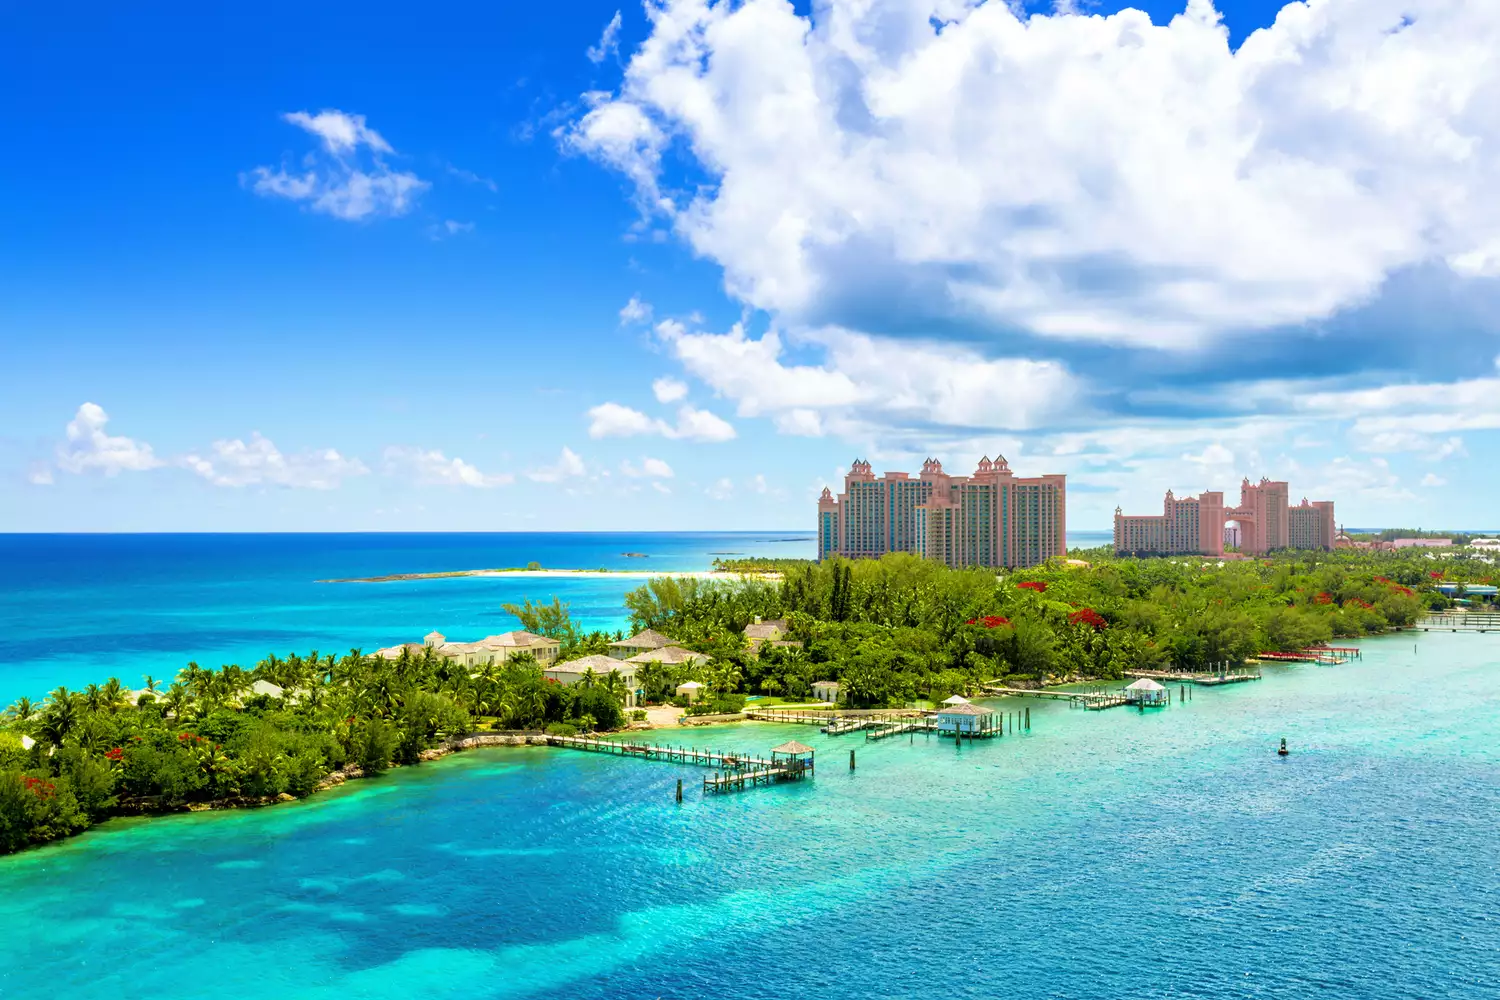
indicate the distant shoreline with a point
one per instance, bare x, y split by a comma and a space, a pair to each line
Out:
629, 574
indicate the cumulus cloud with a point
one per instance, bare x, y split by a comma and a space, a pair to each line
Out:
669, 390
615, 420
609, 41
872, 380
40, 475
1072, 177
635, 311
653, 468
90, 448
722, 489
435, 468
568, 466
347, 177
1432, 480
236, 463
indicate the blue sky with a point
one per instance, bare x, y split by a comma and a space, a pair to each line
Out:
488, 267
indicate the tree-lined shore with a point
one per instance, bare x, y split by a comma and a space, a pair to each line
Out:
892, 631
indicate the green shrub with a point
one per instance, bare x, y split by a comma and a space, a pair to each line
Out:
561, 729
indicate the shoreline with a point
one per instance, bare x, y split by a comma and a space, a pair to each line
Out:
583, 574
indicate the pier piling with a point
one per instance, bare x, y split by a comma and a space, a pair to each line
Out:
851, 760
679, 791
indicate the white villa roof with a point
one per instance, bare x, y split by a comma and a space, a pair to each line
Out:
766, 630
515, 639
649, 639
598, 664
964, 709
266, 688
435, 636
667, 654
1144, 684
825, 684
394, 652
957, 699
690, 686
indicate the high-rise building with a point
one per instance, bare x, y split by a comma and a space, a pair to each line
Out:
991, 518
1197, 525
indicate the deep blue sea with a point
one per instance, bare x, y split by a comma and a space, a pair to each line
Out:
1103, 855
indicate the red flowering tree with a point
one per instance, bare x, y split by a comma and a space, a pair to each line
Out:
1323, 597
989, 621
1089, 617
1036, 585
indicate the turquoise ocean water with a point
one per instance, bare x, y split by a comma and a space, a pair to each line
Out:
1102, 855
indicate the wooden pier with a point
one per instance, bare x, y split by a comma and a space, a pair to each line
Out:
1460, 621
722, 759
792, 761
1090, 700
885, 730
1206, 679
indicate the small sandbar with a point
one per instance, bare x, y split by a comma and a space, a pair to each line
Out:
577, 574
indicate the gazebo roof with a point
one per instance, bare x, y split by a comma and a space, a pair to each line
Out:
1144, 684
792, 746
694, 685
964, 709
957, 699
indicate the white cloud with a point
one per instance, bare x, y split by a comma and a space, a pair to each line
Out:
669, 390
435, 468
871, 380
1432, 479
238, 463
722, 489
615, 420
758, 484
89, 447
1214, 454
661, 488
568, 466
336, 180
700, 425
40, 475
653, 468
635, 311
1078, 177
609, 41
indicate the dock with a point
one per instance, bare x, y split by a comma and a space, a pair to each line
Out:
722, 759
1093, 701
1206, 679
884, 730
1462, 621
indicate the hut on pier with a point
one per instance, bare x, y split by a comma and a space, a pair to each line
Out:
1146, 692
795, 760
966, 719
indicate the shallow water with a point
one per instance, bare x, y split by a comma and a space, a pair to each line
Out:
1105, 854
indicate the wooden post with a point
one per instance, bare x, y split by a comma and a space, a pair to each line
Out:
679, 791
1028, 718
851, 760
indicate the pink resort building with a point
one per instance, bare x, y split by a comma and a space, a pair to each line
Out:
990, 518
1201, 525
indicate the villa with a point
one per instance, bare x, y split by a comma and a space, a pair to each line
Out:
573, 671
672, 656
641, 642
760, 633
827, 691
493, 649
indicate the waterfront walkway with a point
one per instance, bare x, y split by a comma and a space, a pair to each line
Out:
1460, 621
1093, 701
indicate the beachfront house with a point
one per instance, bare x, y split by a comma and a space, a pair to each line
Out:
671, 656
492, 649
827, 691
773, 632
690, 691
574, 671
966, 719
1146, 692
641, 642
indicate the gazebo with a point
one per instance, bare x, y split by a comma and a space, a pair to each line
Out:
690, 690
794, 759
1146, 692
966, 720
956, 699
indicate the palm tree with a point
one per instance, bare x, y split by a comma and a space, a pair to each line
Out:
615, 685
178, 699
93, 697
60, 718
113, 694
151, 683
22, 710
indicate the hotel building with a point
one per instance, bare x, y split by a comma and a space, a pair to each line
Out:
991, 518
1263, 522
